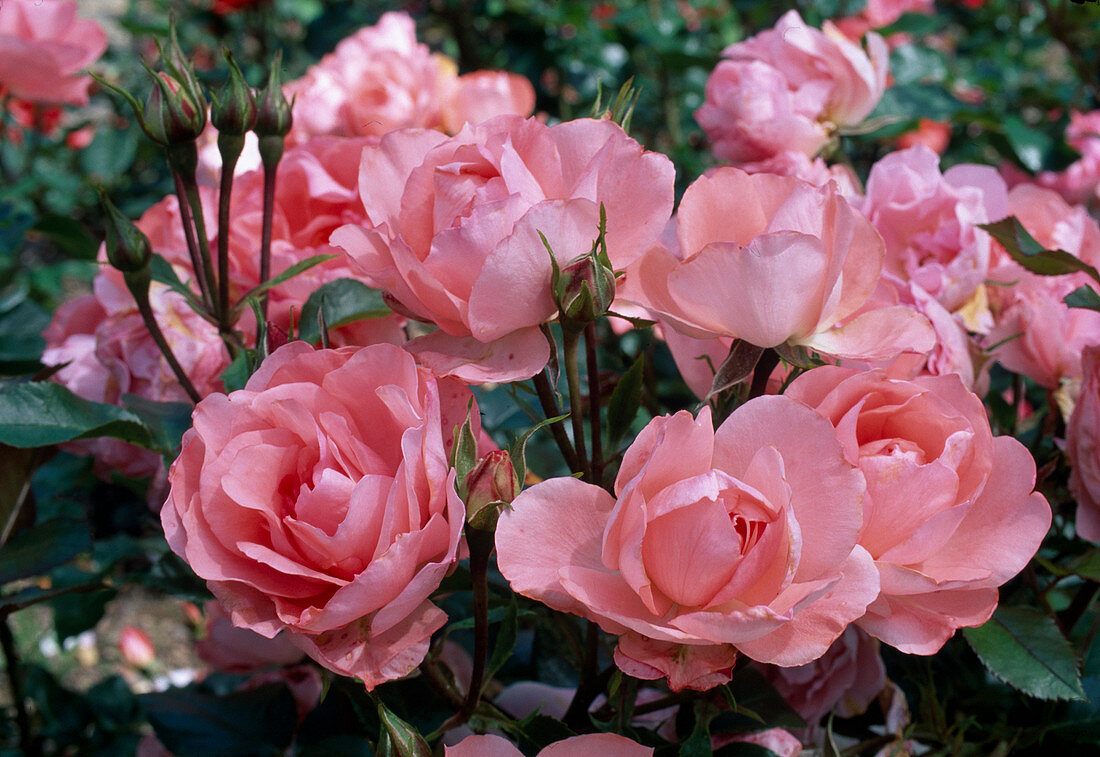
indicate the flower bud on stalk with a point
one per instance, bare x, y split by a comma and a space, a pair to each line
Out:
273, 122
234, 111
491, 486
586, 290
136, 648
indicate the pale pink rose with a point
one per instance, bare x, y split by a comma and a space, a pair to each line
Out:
1079, 182
929, 221
473, 98
742, 538
230, 649
603, 744
452, 231
774, 260
846, 679
790, 88
775, 740
950, 514
815, 171
43, 47
318, 500
1034, 332
1083, 449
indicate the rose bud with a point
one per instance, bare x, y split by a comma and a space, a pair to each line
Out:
181, 110
136, 647
128, 249
491, 485
585, 289
234, 112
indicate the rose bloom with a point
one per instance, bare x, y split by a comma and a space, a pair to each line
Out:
604, 744
929, 221
950, 514
453, 224
229, 649
319, 500
741, 539
1034, 332
774, 260
43, 46
381, 79
1083, 449
790, 88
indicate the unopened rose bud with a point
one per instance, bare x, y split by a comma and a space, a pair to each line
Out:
128, 249
192, 614
274, 118
234, 110
136, 648
399, 738
181, 110
491, 485
585, 290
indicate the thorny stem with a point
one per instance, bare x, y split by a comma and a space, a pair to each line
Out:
594, 403
570, 342
15, 682
551, 410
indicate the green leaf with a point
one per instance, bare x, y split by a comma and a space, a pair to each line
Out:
1024, 648
36, 550
20, 327
164, 273
464, 454
916, 24
344, 301
236, 375
404, 739
259, 721
914, 63
166, 421
737, 366
16, 468
110, 153
37, 414
756, 703
69, 235
1025, 250
519, 448
1087, 565
1083, 297
625, 401
289, 273
1030, 145
698, 743
14, 223
505, 641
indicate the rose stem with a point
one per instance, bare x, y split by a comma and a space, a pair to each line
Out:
551, 410
763, 372
192, 244
594, 403
230, 154
265, 232
570, 341
480, 544
15, 683
153, 327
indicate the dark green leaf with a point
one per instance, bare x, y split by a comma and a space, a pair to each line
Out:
289, 273
16, 468
237, 374
1083, 297
164, 273
405, 741
76, 612
1087, 565
625, 401
1025, 250
1024, 648
518, 452
344, 301
166, 421
37, 414
259, 721
913, 63
698, 743
36, 550
110, 153
737, 366
537, 731
916, 24
20, 340
69, 235
14, 223
505, 641
757, 703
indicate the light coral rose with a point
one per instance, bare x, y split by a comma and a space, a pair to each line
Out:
846, 679
935, 135
1082, 434
773, 260
929, 221
950, 514
473, 98
230, 649
775, 740
603, 744
742, 538
1034, 332
790, 88
815, 171
452, 231
43, 47
319, 501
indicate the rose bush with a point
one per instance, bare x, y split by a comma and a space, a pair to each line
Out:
319, 500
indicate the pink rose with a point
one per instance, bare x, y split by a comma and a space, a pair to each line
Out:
775, 740
740, 539
230, 649
790, 88
381, 79
452, 231
604, 744
43, 46
774, 260
929, 221
1084, 451
950, 514
1034, 332
318, 500
815, 171
847, 678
